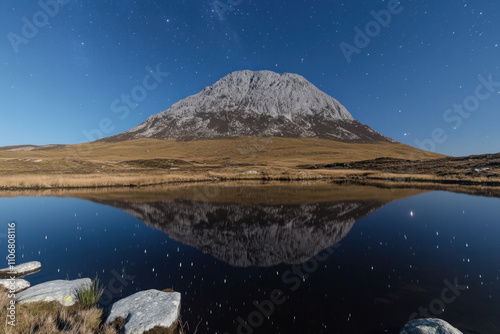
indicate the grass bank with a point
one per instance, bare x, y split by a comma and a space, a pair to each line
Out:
147, 162
51, 318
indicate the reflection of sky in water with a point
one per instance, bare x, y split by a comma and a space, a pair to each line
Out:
390, 264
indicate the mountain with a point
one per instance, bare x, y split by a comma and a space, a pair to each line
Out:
256, 104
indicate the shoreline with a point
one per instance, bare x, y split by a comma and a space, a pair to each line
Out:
489, 188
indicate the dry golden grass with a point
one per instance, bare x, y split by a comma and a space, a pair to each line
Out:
267, 151
121, 180
52, 318
145, 162
430, 178
89, 180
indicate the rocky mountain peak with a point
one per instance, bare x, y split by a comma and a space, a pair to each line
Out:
261, 103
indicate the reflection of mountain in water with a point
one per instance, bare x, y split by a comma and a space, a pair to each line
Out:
258, 235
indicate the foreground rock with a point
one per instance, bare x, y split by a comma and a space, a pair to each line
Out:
429, 326
64, 292
146, 310
19, 284
21, 270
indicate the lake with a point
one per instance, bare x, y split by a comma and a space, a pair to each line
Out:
275, 258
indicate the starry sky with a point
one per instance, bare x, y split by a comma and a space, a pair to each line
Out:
426, 73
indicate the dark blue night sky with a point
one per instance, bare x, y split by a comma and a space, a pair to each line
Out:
427, 74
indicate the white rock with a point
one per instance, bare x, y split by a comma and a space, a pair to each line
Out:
429, 326
22, 269
64, 292
146, 310
19, 284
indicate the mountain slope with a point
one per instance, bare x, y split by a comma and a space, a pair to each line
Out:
255, 104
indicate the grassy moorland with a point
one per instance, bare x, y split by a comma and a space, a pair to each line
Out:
151, 162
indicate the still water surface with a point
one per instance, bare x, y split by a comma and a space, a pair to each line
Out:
335, 259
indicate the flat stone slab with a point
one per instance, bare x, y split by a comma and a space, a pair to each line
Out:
64, 292
21, 269
19, 284
429, 326
146, 310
